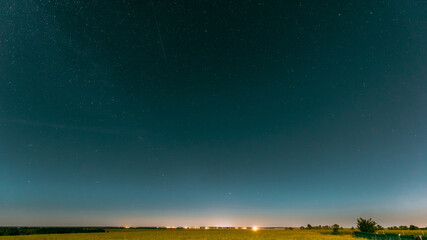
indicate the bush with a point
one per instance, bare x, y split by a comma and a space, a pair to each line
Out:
366, 225
413, 227
379, 227
335, 230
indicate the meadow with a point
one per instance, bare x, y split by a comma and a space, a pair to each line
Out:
187, 234
200, 234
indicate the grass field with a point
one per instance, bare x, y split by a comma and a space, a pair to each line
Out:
185, 234
134, 234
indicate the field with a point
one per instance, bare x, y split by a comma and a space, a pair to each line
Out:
134, 234
185, 234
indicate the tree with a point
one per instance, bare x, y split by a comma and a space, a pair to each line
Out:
379, 227
11, 232
403, 227
309, 226
366, 225
413, 227
335, 230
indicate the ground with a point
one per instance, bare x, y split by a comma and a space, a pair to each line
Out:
202, 234
134, 234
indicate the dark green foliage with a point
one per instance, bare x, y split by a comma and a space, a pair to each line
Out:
8, 231
335, 230
388, 236
413, 227
320, 227
379, 227
366, 225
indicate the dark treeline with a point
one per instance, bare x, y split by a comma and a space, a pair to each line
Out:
320, 227
8, 231
403, 227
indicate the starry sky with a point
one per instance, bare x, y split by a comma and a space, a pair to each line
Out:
225, 113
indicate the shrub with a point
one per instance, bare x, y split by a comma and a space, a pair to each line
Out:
413, 227
366, 225
335, 230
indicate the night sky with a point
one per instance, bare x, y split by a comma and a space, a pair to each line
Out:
226, 113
